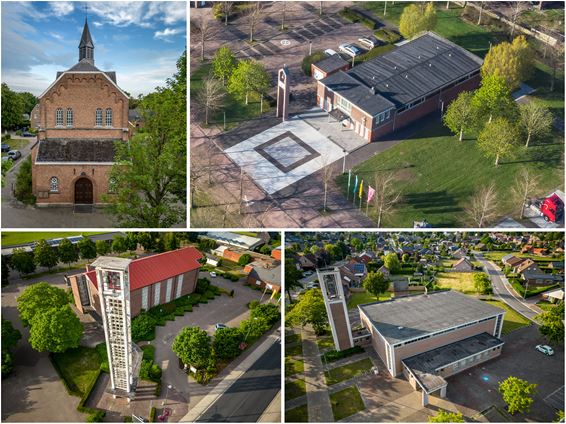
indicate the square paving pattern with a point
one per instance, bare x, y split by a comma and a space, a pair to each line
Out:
284, 154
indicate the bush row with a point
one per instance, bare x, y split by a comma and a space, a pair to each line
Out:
334, 355
356, 17
387, 35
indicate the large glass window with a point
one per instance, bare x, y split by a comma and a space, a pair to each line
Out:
344, 105
54, 184
98, 122
108, 117
69, 117
59, 117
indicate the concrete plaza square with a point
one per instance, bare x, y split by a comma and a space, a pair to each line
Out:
298, 151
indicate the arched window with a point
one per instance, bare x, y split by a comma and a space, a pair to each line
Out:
98, 122
108, 117
59, 117
69, 117
112, 185
54, 184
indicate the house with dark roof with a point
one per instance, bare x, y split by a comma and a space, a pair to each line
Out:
154, 280
327, 66
463, 265
391, 91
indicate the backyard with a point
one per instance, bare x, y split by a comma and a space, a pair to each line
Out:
363, 297
513, 319
346, 402
459, 281
14, 238
348, 371
297, 415
78, 368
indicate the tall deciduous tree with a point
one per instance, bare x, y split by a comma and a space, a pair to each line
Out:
526, 183
386, 195
443, 416
309, 309
22, 261
375, 283
44, 255
102, 247
210, 97
292, 277
118, 244
55, 330
226, 8
223, 63
67, 252
536, 120
552, 324
249, 76
493, 98
202, 29
517, 394
252, 17
12, 108
87, 248
498, 139
226, 342
39, 297
192, 346
460, 115
391, 262
483, 206
415, 20
511, 61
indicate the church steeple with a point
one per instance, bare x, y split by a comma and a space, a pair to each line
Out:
86, 46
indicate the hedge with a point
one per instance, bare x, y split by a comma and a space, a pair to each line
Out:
375, 52
532, 292
308, 60
387, 35
356, 17
152, 414
334, 355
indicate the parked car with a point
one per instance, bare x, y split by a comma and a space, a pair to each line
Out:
5, 147
28, 134
350, 49
313, 285
307, 273
6, 159
14, 154
329, 52
370, 42
218, 326
212, 274
547, 350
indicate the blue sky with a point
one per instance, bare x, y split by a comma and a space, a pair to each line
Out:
139, 40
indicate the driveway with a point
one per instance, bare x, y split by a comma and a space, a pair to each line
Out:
223, 309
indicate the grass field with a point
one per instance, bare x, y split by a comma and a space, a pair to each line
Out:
79, 366
428, 170
293, 366
325, 342
345, 372
460, 281
498, 255
513, 320
236, 110
297, 415
360, 298
346, 402
295, 389
294, 350
13, 238
292, 338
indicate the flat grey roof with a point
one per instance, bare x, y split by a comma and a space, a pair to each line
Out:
408, 317
331, 63
424, 366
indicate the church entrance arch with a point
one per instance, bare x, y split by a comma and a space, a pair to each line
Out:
83, 191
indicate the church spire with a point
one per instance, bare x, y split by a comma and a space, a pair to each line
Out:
86, 46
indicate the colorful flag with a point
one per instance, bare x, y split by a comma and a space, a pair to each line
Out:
371, 192
349, 177
356, 185
361, 189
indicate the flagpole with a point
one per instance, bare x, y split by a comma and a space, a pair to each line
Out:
348, 191
367, 207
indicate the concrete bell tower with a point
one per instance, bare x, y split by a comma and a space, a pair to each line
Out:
336, 308
283, 93
124, 357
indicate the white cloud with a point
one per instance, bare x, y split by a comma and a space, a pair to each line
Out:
144, 14
56, 36
167, 33
97, 24
61, 8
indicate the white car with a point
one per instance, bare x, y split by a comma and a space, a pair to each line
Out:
212, 274
547, 350
329, 52
370, 42
307, 273
219, 326
350, 49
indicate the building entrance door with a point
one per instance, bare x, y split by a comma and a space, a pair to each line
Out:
83, 191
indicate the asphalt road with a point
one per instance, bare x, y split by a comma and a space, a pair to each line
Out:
502, 289
251, 394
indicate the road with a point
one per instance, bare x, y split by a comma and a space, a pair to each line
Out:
252, 393
503, 290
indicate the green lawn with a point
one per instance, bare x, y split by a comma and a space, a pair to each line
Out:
499, 254
294, 350
11, 238
16, 144
292, 338
360, 298
299, 414
236, 110
460, 281
513, 320
428, 170
293, 366
346, 402
546, 306
325, 342
78, 367
295, 389
345, 372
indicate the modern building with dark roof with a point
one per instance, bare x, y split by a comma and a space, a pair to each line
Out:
428, 337
389, 92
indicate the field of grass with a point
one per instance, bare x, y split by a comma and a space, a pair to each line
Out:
299, 414
499, 254
295, 389
346, 402
546, 306
292, 338
360, 298
79, 366
294, 350
345, 372
293, 366
325, 342
428, 170
11, 238
513, 320
459, 281
236, 110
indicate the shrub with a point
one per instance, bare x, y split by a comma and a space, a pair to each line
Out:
103, 354
268, 311
128, 419
387, 35
308, 60
143, 327
245, 259
354, 16
96, 417
148, 352
202, 285
23, 189
253, 304
375, 52
334, 355
152, 414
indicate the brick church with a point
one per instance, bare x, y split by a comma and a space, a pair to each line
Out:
81, 117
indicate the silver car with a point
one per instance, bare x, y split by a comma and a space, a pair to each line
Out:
350, 49
370, 42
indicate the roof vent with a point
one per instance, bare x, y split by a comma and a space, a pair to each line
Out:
437, 47
395, 67
387, 85
400, 327
419, 56
373, 89
406, 75
430, 65
450, 54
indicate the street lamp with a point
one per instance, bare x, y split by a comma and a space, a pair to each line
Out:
310, 47
169, 386
344, 162
248, 333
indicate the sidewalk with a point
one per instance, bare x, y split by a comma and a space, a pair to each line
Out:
272, 413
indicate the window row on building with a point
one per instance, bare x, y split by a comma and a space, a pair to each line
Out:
54, 185
69, 121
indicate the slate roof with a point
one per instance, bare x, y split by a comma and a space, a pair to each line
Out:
76, 150
409, 72
331, 63
86, 39
270, 275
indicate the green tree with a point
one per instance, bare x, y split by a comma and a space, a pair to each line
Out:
552, 324
87, 248
10, 335
226, 342
415, 20
151, 169
119, 244
511, 61
28, 100
143, 327
391, 262
482, 283
309, 309
102, 247
292, 277
44, 255
375, 283
493, 99
6, 166
223, 64
498, 139
535, 120
357, 244
22, 261
170, 241
245, 259
67, 252
443, 416
146, 240
55, 329
192, 346
250, 76
253, 328
37, 298
267, 311
405, 258
5, 271
22, 188
517, 394
460, 115
131, 241
12, 108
